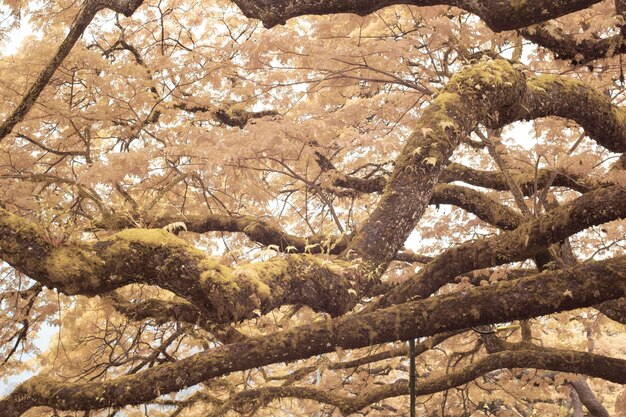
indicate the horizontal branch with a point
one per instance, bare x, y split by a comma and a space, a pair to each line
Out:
156, 257
566, 46
527, 182
541, 294
395, 352
547, 359
498, 15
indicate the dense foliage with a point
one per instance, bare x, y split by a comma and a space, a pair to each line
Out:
248, 207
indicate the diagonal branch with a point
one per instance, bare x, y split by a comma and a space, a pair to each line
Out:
492, 93
82, 20
527, 240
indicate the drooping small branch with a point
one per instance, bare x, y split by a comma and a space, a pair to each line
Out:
588, 398
549, 292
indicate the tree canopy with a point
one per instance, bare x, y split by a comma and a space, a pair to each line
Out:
237, 207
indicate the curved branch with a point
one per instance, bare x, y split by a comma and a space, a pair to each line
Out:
545, 293
498, 15
566, 46
471, 97
155, 257
553, 359
527, 240
493, 93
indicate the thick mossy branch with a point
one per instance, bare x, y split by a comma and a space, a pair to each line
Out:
554, 95
499, 15
527, 240
153, 256
472, 96
266, 233
23, 245
257, 229
495, 94
233, 115
533, 296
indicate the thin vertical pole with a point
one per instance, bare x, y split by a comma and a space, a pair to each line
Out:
412, 377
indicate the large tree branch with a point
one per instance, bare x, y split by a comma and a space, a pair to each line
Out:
223, 294
492, 93
499, 15
566, 46
470, 97
527, 182
545, 293
527, 240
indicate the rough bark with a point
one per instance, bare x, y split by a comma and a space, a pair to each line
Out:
526, 241
527, 182
534, 296
493, 93
470, 97
566, 46
155, 257
499, 15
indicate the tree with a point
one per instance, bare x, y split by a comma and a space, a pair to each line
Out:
248, 207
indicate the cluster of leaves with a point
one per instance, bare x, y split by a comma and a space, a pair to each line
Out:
256, 145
